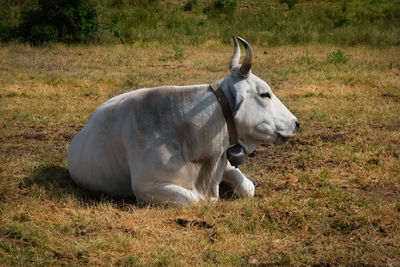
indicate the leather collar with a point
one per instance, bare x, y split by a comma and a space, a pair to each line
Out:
226, 110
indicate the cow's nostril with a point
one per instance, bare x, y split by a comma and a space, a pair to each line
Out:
297, 124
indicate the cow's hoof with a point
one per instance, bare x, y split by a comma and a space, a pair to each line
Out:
255, 183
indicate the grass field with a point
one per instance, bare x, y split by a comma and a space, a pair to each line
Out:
331, 195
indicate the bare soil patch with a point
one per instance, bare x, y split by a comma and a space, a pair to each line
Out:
388, 193
188, 223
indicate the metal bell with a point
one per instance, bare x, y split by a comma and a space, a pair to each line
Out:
236, 155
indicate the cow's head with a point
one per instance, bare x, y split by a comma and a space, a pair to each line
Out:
259, 115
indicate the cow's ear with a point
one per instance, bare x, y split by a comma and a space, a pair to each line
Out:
238, 95
234, 94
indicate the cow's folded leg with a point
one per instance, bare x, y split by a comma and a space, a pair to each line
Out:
164, 193
242, 186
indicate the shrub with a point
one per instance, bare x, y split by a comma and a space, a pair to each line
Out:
5, 33
225, 6
190, 5
221, 6
70, 21
114, 29
290, 3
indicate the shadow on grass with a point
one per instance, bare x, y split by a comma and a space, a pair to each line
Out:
226, 192
57, 183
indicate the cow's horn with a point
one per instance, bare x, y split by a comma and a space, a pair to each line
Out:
236, 54
244, 70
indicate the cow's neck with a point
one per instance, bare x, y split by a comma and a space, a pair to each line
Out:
226, 110
235, 153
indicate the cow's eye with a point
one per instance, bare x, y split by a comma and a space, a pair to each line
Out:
265, 95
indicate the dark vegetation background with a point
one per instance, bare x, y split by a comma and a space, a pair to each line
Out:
272, 22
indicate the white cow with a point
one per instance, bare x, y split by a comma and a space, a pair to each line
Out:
169, 144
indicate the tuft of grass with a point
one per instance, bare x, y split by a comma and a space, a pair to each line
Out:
337, 57
178, 51
308, 58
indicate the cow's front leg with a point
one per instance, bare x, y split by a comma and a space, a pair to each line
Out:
160, 192
241, 185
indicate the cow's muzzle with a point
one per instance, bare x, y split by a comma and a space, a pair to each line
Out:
280, 139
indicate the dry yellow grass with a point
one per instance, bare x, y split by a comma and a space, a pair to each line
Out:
329, 196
